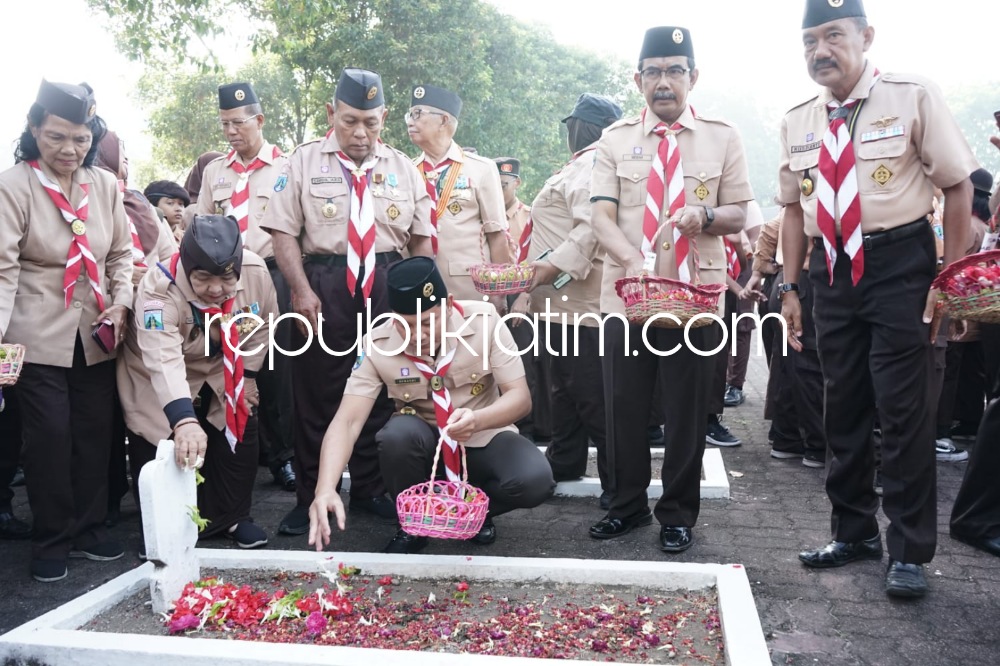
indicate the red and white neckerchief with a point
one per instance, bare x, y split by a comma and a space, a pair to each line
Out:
442, 410
237, 413
732, 259
837, 189
138, 254
80, 257
666, 183
524, 244
431, 175
361, 230
239, 203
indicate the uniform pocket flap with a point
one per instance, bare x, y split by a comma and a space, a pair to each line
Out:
883, 149
702, 171
633, 172
803, 161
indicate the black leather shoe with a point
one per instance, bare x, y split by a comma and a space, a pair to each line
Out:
284, 476
403, 544
12, 527
381, 506
295, 522
905, 580
487, 534
605, 501
609, 528
991, 546
839, 553
655, 435
675, 539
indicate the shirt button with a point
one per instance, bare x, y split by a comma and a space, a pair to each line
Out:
474, 375
666, 245
709, 262
635, 176
406, 396
81, 278
702, 175
77, 304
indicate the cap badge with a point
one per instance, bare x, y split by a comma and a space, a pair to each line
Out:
418, 92
506, 168
835, 3
428, 290
240, 95
679, 36
229, 267
91, 111
372, 92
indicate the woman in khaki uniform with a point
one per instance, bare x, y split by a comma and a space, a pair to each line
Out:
65, 267
173, 382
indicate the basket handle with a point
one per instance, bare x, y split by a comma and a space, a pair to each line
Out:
511, 243
694, 250
437, 456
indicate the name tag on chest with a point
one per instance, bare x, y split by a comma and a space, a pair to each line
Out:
885, 133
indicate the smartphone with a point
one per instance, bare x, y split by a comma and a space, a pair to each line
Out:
562, 279
104, 336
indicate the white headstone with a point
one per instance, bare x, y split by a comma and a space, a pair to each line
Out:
167, 493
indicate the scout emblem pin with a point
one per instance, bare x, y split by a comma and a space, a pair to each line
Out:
78, 227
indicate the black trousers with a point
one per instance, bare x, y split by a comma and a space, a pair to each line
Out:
578, 414
716, 398
67, 421
875, 349
319, 378
10, 445
276, 414
225, 497
117, 471
976, 514
538, 422
510, 470
807, 377
631, 373
780, 402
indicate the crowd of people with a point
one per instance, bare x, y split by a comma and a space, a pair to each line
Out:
140, 332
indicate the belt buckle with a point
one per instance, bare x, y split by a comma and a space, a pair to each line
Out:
866, 241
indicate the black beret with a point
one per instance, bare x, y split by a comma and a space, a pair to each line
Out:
235, 95
166, 189
596, 110
73, 103
666, 41
212, 243
439, 98
819, 12
412, 281
509, 166
360, 89
982, 181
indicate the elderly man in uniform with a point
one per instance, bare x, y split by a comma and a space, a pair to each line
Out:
241, 184
343, 208
464, 189
571, 267
667, 185
183, 343
440, 365
858, 170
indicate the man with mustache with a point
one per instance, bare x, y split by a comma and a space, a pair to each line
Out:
859, 165
667, 185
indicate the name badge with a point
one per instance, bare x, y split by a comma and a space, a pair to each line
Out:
637, 158
885, 133
221, 184
806, 147
327, 179
408, 380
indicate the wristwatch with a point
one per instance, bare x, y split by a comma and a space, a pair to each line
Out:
709, 217
786, 287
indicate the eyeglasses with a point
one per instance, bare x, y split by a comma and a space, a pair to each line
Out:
416, 114
675, 73
238, 124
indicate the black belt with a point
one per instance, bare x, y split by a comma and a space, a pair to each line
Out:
880, 238
340, 260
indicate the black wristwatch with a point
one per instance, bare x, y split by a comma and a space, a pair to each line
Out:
709, 217
786, 287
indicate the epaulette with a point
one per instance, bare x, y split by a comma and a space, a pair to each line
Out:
635, 120
811, 100
896, 77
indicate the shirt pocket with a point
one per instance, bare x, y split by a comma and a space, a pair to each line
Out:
701, 183
805, 166
405, 394
632, 180
879, 164
470, 380
262, 197
317, 206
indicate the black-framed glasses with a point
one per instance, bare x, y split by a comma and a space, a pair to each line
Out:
416, 114
674, 73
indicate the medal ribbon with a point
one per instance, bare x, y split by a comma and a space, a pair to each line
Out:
438, 203
361, 230
79, 257
240, 201
442, 410
666, 181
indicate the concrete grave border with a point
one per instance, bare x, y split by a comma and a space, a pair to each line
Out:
55, 639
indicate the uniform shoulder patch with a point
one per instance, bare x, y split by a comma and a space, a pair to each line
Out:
359, 360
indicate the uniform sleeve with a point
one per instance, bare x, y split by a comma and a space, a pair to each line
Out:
205, 204
788, 182
13, 227
945, 153
575, 255
491, 208
767, 246
364, 380
506, 365
995, 202
118, 263
284, 212
161, 345
734, 187
604, 182
421, 224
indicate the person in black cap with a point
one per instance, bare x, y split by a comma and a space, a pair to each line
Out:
483, 397
343, 208
240, 184
465, 189
178, 346
871, 268
170, 200
66, 268
681, 238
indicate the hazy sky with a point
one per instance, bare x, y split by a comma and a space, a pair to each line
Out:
749, 45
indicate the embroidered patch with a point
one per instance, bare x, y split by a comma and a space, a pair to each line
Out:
359, 360
454, 208
477, 388
281, 182
701, 192
392, 212
153, 305
882, 175
152, 320
404, 372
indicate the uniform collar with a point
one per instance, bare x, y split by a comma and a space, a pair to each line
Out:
330, 145
650, 120
265, 155
514, 207
862, 88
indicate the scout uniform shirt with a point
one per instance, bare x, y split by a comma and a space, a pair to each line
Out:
468, 383
164, 352
517, 216
561, 218
475, 207
905, 143
715, 174
34, 242
311, 199
217, 186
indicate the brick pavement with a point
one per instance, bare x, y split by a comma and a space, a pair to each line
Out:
839, 617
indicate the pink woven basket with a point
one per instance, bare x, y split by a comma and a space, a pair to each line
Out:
11, 362
443, 509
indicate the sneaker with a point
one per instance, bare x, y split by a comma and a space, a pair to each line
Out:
284, 476
100, 552
785, 455
48, 571
382, 507
814, 459
248, 535
295, 522
948, 452
734, 397
718, 434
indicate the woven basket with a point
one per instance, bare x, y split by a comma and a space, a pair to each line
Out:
646, 296
500, 279
969, 288
443, 509
11, 362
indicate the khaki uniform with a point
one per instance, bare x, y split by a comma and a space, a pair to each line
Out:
219, 181
517, 218
905, 143
34, 240
474, 208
